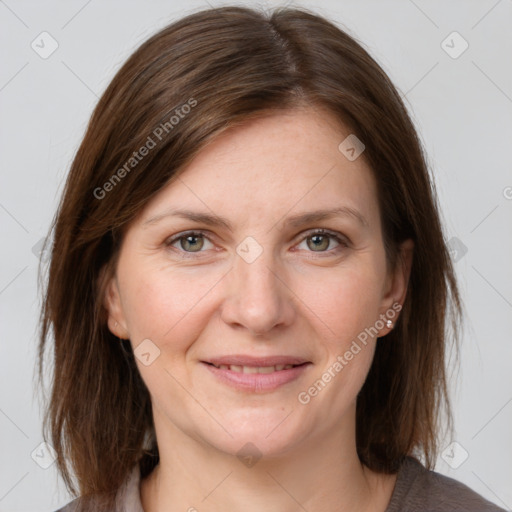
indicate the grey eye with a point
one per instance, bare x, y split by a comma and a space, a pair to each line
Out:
192, 243
320, 242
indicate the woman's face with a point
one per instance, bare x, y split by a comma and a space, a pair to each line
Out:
255, 281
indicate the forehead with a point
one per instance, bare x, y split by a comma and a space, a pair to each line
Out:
283, 162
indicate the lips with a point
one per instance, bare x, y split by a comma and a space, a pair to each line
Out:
257, 374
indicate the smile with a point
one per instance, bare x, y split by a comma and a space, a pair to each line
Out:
256, 379
255, 369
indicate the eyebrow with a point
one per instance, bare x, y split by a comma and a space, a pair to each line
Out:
293, 221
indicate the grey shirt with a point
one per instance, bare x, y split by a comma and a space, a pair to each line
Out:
416, 490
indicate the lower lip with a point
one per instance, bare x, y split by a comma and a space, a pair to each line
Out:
257, 382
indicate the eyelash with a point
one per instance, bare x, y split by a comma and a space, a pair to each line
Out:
343, 243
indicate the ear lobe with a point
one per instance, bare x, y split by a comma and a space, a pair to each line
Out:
112, 303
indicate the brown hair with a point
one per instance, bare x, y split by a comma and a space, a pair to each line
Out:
230, 64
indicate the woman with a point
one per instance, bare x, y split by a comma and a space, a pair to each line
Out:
249, 285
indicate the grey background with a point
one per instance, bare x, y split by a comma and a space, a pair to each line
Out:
462, 107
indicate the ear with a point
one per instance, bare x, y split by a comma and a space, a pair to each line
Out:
112, 303
397, 282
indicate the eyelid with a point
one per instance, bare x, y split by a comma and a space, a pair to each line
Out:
183, 234
342, 240
343, 243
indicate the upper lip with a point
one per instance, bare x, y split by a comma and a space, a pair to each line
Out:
245, 360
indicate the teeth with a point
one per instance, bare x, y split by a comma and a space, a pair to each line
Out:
253, 369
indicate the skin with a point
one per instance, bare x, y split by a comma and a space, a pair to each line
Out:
297, 298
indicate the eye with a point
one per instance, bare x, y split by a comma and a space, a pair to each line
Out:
320, 239
317, 241
190, 242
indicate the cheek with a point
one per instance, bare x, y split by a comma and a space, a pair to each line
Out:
165, 305
171, 309
344, 300
346, 306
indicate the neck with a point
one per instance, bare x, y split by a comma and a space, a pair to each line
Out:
323, 473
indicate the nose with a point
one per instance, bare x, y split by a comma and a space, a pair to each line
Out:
258, 298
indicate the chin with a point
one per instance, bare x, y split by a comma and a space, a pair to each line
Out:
257, 439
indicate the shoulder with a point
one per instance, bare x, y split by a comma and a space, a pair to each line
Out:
127, 498
419, 489
70, 507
